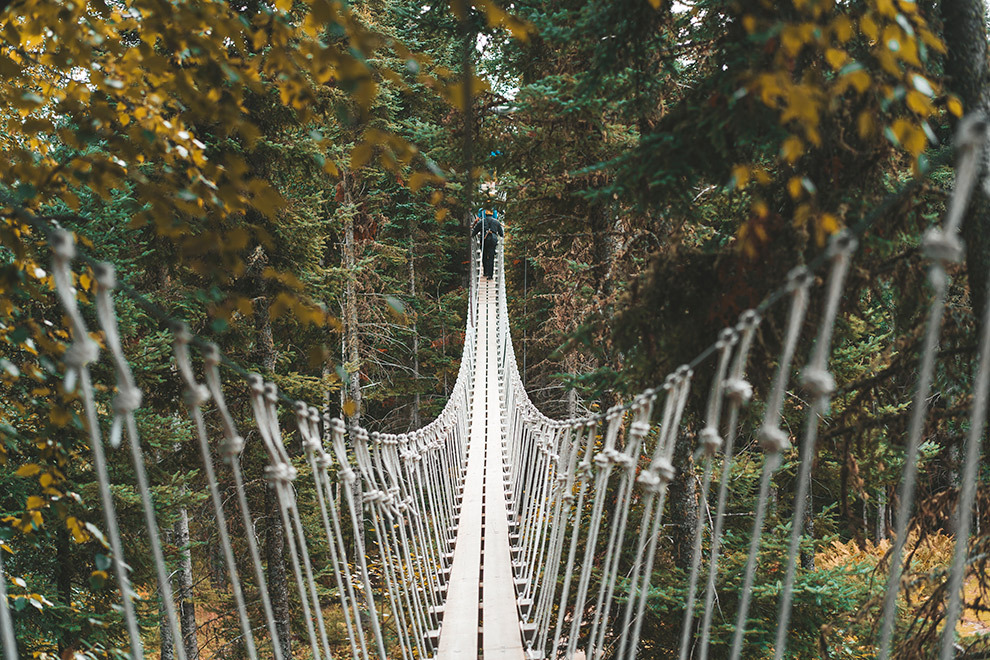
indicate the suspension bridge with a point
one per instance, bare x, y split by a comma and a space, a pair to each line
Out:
495, 531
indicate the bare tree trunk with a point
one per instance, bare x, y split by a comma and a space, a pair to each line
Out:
187, 607
965, 33
881, 514
168, 644
351, 336
278, 583
808, 557
414, 419
683, 502
165, 630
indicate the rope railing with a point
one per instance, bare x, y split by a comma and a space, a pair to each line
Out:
585, 497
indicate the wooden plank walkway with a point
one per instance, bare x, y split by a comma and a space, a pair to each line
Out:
482, 549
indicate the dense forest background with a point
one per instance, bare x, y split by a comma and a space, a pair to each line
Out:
297, 182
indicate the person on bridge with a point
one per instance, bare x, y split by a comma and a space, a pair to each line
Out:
490, 229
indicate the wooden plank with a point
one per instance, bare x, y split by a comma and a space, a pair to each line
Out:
484, 493
459, 629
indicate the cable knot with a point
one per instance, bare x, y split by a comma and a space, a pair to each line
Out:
799, 278
624, 461
348, 475
710, 440
271, 393
584, 469
311, 446
231, 447
639, 429
941, 246
196, 395
842, 244
81, 352
738, 390
280, 473
727, 337
649, 480
748, 320
256, 383
211, 354
105, 275
63, 244
127, 399
607, 457
773, 439
323, 460
182, 334
818, 382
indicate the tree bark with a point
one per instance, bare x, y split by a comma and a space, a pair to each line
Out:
352, 344
683, 502
966, 69
187, 606
965, 33
414, 418
278, 583
63, 577
808, 557
165, 630
167, 643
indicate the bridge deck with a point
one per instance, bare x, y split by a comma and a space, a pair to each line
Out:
481, 570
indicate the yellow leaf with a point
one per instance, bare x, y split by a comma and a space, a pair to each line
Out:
34, 502
419, 179
792, 149
915, 141
361, 154
59, 416
749, 23
46, 480
859, 79
955, 106
28, 470
835, 58
740, 174
842, 28
794, 187
79, 534
865, 125
85, 281
919, 103
869, 27
349, 407
829, 223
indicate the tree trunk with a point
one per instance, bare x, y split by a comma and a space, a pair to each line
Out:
278, 583
683, 502
351, 336
63, 576
965, 34
414, 419
187, 606
168, 644
881, 514
165, 630
808, 556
